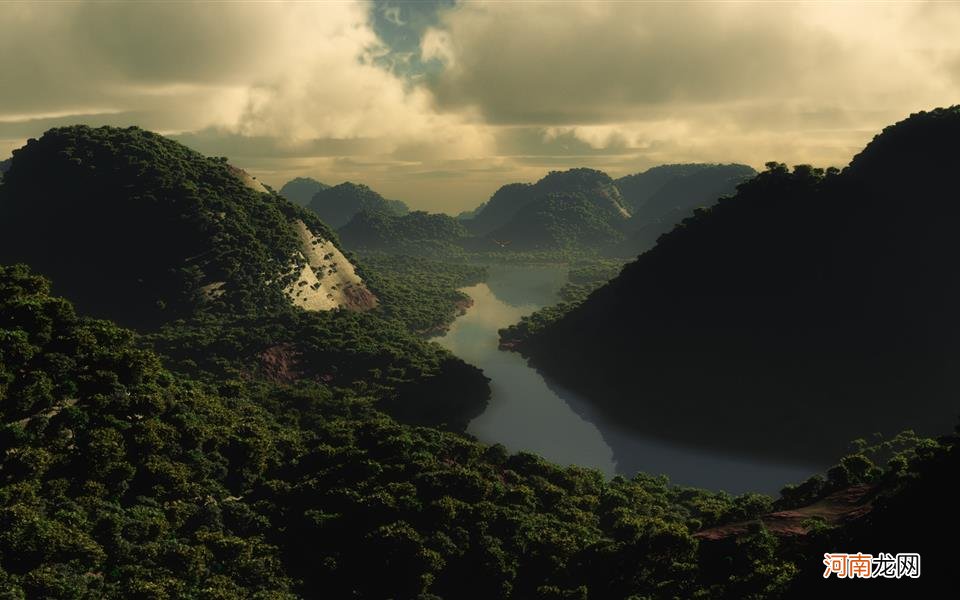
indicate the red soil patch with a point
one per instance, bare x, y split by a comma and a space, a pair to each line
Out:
837, 508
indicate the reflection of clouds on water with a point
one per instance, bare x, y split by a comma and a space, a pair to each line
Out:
528, 412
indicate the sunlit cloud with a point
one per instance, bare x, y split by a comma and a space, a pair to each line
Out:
439, 103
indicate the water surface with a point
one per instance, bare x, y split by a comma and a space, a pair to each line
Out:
528, 411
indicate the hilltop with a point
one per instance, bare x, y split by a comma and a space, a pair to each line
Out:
142, 229
301, 190
338, 204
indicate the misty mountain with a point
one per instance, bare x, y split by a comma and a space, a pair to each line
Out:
597, 187
338, 204
562, 209
810, 303
301, 190
662, 197
139, 228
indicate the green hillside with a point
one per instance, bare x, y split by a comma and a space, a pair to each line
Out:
417, 232
338, 204
141, 229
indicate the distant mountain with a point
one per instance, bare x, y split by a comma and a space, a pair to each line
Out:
417, 232
559, 221
338, 204
551, 212
470, 214
640, 187
663, 196
809, 305
301, 190
140, 228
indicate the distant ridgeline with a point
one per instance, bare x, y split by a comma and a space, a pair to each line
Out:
576, 210
227, 278
338, 204
301, 190
810, 308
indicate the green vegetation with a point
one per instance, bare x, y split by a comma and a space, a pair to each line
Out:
135, 226
419, 292
239, 447
570, 209
338, 204
301, 190
121, 480
804, 295
415, 233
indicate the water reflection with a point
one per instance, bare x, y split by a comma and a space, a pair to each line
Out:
529, 412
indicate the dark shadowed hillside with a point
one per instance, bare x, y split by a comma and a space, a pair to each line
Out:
338, 204
301, 190
809, 305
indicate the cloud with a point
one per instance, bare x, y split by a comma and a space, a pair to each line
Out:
403, 96
718, 80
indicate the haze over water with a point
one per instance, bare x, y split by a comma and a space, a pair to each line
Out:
531, 413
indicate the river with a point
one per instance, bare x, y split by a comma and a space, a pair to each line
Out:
530, 412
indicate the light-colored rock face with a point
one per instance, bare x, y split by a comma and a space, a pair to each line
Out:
248, 180
327, 280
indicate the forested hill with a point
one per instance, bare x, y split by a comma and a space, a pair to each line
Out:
811, 303
301, 190
595, 185
338, 204
139, 228
417, 232
574, 207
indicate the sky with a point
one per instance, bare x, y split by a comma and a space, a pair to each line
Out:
439, 102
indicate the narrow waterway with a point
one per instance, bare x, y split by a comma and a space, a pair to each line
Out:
530, 412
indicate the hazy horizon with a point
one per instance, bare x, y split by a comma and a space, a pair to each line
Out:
439, 103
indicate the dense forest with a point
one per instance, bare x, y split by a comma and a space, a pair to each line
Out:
811, 300
415, 233
121, 479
